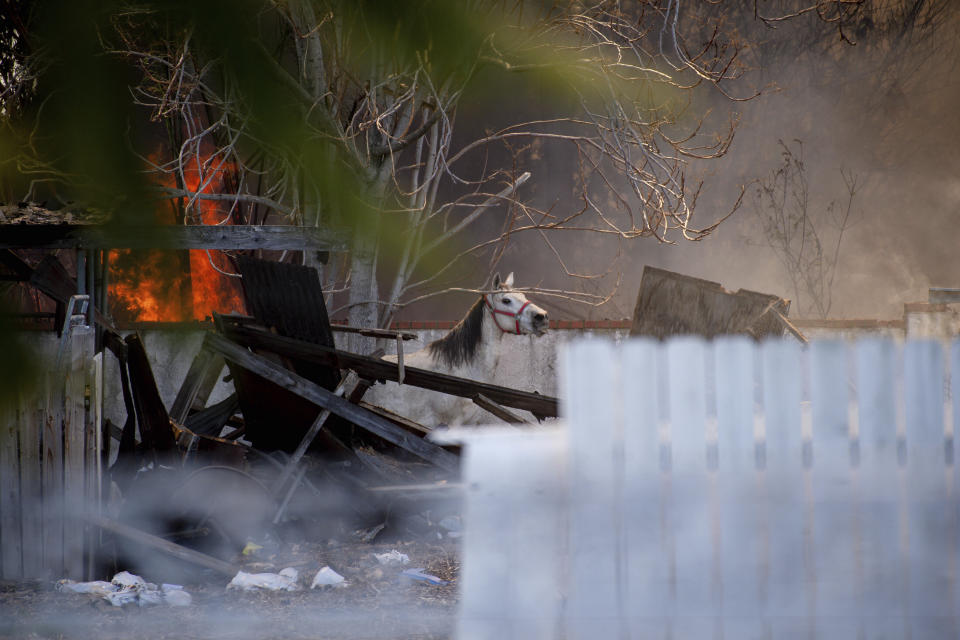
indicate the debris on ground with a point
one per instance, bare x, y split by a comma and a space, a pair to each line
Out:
127, 588
392, 557
327, 577
420, 575
286, 580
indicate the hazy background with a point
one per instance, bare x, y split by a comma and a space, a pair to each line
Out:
882, 109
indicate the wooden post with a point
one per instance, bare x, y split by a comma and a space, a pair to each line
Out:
10, 535
92, 445
74, 431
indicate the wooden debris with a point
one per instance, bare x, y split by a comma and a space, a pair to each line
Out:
160, 544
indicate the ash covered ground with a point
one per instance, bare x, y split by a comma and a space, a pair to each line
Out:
375, 603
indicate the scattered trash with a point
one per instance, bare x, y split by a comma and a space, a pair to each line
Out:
453, 526
420, 576
127, 580
97, 587
286, 580
127, 588
367, 535
327, 577
251, 548
178, 598
392, 557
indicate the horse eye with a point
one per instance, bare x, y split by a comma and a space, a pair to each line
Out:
506, 301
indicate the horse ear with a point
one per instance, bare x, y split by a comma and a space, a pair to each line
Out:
509, 281
496, 280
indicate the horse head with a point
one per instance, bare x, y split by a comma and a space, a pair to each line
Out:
512, 312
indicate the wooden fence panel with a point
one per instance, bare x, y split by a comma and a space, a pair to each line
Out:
734, 490
49, 468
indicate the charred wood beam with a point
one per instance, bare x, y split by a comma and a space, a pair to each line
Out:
389, 334
156, 434
539, 405
490, 406
199, 382
66, 236
170, 548
327, 400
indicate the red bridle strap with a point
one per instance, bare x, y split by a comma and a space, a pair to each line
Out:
514, 315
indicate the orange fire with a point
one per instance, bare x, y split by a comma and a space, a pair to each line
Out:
163, 286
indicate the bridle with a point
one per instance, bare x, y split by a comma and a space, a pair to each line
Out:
513, 314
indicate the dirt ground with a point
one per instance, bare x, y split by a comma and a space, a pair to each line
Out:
375, 603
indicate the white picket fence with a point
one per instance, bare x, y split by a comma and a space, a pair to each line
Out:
723, 490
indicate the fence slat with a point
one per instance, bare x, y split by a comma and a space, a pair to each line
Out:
929, 522
74, 427
31, 426
52, 476
875, 487
11, 560
738, 488
648, 541
595, 605
511, 581
697, 539
781, 528
830, 489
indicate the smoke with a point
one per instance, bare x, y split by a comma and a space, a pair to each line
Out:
882, 110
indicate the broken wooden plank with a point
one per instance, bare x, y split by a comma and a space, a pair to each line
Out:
327, 400
490, 406
388, 334
156, 433
287, 298
210, 421
345, 387
170, 548
539, 405
231, 237
405, 423
205, 365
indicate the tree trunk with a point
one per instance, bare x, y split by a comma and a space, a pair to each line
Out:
363, 289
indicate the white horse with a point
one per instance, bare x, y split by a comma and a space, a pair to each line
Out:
477, 348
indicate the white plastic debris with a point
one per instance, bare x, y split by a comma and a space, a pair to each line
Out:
120, 598
97, 587
392, 557
286, 580
178, 598
127, 588
127, 580
453, 526
327, 577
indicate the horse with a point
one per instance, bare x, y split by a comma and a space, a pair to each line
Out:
477, 348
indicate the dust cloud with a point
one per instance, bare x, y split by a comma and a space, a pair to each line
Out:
882, 110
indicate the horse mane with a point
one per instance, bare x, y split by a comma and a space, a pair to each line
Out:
460, 345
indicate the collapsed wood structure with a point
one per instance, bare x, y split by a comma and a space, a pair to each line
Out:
296, 393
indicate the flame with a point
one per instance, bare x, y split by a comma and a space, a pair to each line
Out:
161, 286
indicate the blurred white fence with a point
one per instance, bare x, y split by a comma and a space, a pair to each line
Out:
723, 490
